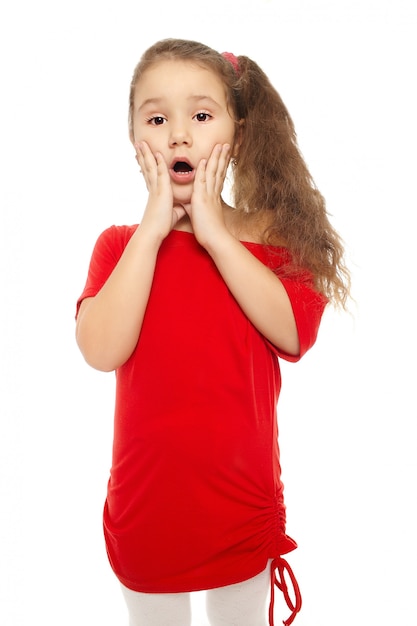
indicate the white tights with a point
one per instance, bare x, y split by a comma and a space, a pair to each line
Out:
241, 604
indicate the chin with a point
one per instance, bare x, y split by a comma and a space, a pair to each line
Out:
183, 199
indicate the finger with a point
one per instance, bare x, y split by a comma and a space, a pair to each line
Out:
161, 170
217, 166
200, 175
145, 156
152, 165
213, 161
224, 160
140, 155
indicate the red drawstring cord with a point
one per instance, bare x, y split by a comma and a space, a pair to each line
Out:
281, 565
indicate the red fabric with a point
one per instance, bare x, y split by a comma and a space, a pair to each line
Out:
282, 566
195, 498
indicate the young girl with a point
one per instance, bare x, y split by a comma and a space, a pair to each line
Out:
191, 309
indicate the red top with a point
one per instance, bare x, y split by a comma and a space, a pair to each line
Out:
195, 499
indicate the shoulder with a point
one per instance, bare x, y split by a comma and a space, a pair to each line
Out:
114, 238
118, 233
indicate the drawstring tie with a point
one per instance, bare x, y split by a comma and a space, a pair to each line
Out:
281, 565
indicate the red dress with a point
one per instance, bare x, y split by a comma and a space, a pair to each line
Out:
195, 499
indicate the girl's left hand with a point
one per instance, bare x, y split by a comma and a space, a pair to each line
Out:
206, 208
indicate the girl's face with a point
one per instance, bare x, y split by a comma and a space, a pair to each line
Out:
180, 110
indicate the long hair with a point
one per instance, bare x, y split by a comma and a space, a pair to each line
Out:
270, 177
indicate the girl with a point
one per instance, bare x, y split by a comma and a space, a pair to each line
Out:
192, 309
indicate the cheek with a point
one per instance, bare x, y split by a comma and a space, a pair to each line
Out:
224, 135
138, 132
142, 132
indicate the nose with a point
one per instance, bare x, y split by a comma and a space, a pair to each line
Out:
180, 134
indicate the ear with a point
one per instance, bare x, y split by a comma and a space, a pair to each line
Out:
238, 138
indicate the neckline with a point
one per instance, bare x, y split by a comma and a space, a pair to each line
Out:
243, 241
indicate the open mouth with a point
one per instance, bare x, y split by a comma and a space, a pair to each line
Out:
181, 167
182, 172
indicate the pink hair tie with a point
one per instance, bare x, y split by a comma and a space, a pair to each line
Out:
232, 59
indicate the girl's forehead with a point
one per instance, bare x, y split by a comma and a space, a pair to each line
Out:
164, 73
176, 65
180, 82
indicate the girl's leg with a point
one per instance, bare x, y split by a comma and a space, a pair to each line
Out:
157, 609
242, 604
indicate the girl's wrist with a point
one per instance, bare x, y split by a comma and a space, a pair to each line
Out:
150, 234
218, 241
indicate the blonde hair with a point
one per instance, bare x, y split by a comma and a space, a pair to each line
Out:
270, 177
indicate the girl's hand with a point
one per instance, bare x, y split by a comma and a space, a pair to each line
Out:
160, 214
206, 210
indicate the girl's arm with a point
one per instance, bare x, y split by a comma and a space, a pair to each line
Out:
258, 291
109, 324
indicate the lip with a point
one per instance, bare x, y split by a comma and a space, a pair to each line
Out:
182, 178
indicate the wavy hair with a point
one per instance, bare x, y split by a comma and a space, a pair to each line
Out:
271, 180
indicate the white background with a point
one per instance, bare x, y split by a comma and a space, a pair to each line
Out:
346, 70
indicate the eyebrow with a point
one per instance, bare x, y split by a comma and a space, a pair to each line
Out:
196, 98
152, 101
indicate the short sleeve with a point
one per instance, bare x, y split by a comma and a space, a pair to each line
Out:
106, 254
308, 306
307, 303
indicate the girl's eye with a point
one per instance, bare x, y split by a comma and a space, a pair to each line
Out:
202, 117
157, 120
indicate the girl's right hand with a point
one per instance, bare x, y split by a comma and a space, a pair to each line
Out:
160, 215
